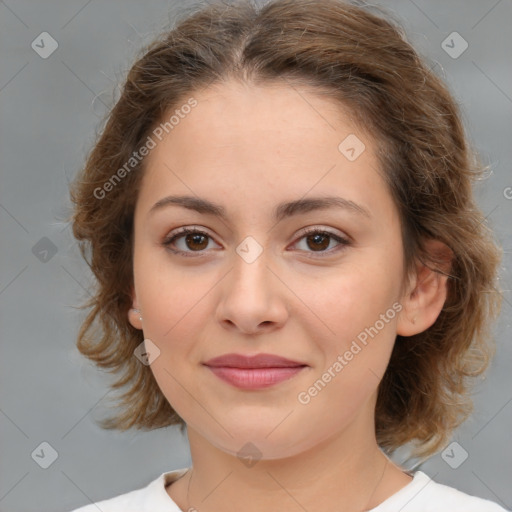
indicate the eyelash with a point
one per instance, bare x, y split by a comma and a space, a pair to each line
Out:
168, 241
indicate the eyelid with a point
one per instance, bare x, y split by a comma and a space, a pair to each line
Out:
182, 231
315, 228
341, 239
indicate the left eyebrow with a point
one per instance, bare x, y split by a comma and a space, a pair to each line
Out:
300, 206
282, 210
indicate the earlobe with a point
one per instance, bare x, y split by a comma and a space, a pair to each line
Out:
427, 294
135, 318
134, 314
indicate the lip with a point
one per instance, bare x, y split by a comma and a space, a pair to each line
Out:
252, 362
254, 372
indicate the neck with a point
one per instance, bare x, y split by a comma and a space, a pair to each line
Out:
347, 470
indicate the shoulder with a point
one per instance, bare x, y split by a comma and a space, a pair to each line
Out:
425, 495
152, 498
128, 502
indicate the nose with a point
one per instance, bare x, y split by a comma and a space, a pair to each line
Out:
253, 298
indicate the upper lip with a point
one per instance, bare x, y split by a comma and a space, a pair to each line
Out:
256, 361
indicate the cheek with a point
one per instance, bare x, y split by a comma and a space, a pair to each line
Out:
357, 313
170, 296
353, 361
347, 301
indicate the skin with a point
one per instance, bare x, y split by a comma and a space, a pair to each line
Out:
248, 149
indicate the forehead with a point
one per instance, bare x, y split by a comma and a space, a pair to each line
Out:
266, 141
280, 118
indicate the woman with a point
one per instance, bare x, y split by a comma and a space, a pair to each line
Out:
290, 261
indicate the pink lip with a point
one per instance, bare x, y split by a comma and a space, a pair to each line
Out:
254, 372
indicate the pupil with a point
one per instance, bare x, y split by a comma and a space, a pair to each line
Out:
192, 239
317, 238
195, 239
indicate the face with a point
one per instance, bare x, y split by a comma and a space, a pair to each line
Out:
315, 283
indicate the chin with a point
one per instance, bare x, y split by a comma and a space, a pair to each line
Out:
256, 440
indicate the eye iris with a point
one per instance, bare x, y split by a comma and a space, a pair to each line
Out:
195, 238
198, 241
317, 239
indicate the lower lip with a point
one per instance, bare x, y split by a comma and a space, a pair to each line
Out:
254, 378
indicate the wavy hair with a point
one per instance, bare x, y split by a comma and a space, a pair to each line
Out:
362, 60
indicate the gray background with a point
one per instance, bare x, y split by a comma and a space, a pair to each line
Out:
50, 111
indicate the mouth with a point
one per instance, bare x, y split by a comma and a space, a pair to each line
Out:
254, 372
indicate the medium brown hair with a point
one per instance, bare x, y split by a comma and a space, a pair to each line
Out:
363, 61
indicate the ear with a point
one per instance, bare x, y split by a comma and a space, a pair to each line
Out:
426, 294
134, 314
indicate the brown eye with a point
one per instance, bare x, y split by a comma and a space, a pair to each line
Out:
197, 241
188, 241
318, 241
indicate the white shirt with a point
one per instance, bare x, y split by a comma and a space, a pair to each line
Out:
420, 495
